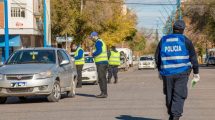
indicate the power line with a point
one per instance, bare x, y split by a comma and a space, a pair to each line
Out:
153, 4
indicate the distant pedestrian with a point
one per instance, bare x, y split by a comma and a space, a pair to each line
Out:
101, 60
114, 62
79, 62
175, 58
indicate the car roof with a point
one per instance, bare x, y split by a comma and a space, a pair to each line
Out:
42, 48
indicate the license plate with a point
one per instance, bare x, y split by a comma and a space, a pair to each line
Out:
18, 84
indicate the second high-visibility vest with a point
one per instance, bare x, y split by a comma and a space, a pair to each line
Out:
103, 56
114, 58
81, 60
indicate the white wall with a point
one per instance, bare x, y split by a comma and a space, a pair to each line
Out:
28, 20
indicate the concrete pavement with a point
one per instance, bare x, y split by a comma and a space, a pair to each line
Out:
138, 96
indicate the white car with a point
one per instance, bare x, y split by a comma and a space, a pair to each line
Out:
146, 62
89, 72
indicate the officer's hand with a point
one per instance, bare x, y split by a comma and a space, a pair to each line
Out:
196, 78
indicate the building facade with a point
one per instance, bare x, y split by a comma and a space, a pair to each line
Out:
25, 20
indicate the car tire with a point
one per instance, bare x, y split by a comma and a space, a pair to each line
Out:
3, 100
56, 93
71, 93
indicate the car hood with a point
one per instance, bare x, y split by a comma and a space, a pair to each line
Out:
25, 68
88, 65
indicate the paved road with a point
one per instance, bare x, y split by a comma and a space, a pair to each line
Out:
138, 96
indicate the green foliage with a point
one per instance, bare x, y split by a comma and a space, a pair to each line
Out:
103, 17
202, 17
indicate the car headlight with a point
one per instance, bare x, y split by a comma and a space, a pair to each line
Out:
1, 76
90, 69
43, 75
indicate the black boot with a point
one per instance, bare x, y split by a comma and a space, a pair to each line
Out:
102, 95
109, 81
175, 118
116, 81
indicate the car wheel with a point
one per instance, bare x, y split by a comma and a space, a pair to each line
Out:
56, 93
71, 93
3, 100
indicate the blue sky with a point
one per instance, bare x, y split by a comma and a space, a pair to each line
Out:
148, 15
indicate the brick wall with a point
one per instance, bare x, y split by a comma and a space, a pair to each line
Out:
1, 15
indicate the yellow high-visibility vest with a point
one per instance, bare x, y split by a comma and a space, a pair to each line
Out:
79, 61
103, 56
114, 58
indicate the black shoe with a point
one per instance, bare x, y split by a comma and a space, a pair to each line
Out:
116, 81
109, 82
102, 96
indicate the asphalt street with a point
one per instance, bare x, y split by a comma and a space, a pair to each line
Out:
137, 96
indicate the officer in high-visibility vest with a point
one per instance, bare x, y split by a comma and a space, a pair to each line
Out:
175, 58
114, 62
101, 60
79, 62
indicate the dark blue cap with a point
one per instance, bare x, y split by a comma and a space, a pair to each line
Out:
94, 34
179, 24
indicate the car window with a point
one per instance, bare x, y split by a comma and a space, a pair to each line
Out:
60, 57
64, 55
89, 60
32, 56
146, 58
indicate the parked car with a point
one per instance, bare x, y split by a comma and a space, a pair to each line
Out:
38, 71
89, 72
210, 61
146, 62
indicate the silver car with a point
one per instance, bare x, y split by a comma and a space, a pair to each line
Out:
38, 71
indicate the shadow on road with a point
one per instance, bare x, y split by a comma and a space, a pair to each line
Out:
128, 117
85, 95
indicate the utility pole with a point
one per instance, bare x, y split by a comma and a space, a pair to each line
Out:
6, 30
44, 25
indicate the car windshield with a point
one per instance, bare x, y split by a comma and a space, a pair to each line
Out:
89, 60
33, 56
146, 58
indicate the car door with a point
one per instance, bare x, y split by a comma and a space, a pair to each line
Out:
68, 67
62, 70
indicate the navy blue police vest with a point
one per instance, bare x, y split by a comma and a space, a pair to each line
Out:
174, 55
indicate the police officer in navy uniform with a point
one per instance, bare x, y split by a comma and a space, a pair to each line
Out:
101, 60
175, 58
79, 62
114, 62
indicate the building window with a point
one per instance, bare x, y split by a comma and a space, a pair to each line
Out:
18, 12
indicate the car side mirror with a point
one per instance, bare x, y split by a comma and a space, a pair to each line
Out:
64, 62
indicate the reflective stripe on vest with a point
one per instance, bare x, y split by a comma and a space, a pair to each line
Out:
79, 61
114, 58
174, 55
103, 56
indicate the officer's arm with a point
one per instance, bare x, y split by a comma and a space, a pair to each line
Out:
98, 48
193, 56
109, 54
80, 54
157, 56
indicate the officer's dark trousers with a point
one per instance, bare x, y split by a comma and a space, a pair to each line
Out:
79, 72
113, 71
175, 89
102, 72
